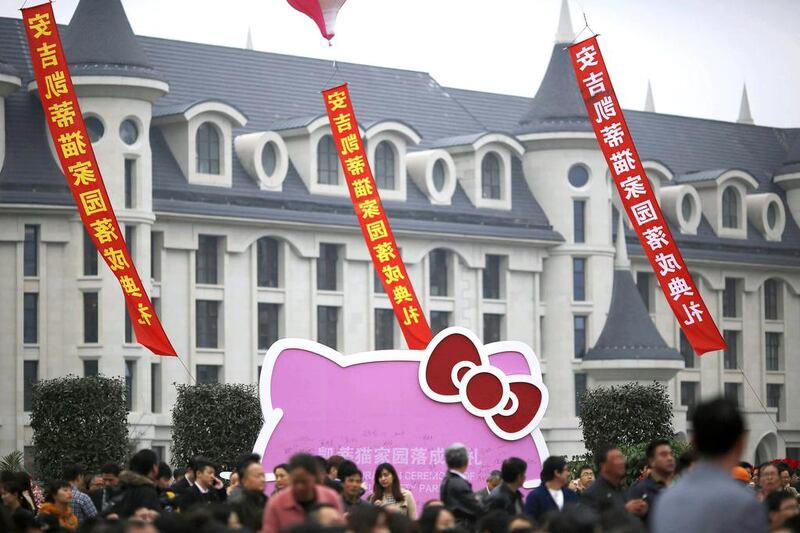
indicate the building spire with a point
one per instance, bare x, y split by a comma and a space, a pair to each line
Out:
649, 105
565, 33
621, 261
745, 116
249, 44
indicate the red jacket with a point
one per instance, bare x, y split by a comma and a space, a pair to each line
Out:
283, 511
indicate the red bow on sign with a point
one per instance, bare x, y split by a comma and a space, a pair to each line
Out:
455, 370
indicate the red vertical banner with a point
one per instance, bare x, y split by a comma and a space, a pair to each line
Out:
372, 218
638, 199
68, 131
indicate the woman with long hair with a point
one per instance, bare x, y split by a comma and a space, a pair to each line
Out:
387, 491
58, 502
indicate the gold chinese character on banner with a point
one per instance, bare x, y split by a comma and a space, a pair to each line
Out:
400, 294
342, 122
104, 230
337, 100
410, 315
392, 274
72, 144
40, 24
63, 113
144, 314
355, 165
47, 55
129, 286
377, 230
349, 144
55, 84
92, 202
369, 209
384, 251
362, 187
116, 259
82, 172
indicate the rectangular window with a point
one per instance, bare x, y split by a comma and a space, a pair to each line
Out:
207, 252
733, 391
578, 279
384, 329
732, 351
793, 452
30, 318
130, 384
644, 282
687, 351
155, 387
208, 374
690, 396
267, 262
30, 375
327, 267
579, 220
730, 298
90, 318
439, 270
268, 324
128, 327
207, 323
89, 255
772, 299
492, 325
156, 251
130, 240
328, 325
491, 277
378, 283
130, 183
775, 399
90, 368
30, 251
580, 390
579, 333
439, 320
773, 343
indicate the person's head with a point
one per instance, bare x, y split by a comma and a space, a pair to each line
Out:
785, 474
436, 518
303, 477
281, 473
326, 515
520, 522
781, 505
456, 457
586, 475
333, 463
719, 432
741, 475
59, 492
494, 479
164, 476
145, 463
686, 460
387, 482
96, 482
610, 463
190, 468
10, 492
351, 478
513, 471
493, 522
110, 473
73, 473
366, 518
660, 457
322, 467
251, 473
554, 471
769, 478
23, 479
204, 472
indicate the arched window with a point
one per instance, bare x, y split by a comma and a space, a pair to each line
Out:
207, 149
438, 175
490, 175
267, 263
730, 208
384, 165
327, 162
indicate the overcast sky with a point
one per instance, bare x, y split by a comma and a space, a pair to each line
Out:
696, 53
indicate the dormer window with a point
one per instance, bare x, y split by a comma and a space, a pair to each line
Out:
385, 165
730, 208
269, 158
207, 149
327, 162
490, 176
439, 175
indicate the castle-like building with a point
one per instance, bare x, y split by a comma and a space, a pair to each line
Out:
221, 169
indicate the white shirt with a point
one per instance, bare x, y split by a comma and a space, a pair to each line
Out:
558, 497
203, 491
459, 474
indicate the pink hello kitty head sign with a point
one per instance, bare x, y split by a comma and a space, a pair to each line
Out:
405, 407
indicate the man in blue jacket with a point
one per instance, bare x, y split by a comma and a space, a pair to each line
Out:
552, 495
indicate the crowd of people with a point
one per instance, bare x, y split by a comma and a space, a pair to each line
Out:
707, 489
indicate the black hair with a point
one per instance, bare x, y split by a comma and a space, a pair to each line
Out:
378, 492
53, 488
686, 460
244, 461
364, 518
333, 462
512, 468
143, 462
551, 465
347, 469
762, 466
201, 463
110, 468
774, 499
191, 464
573, 519
782, 466
305, 461
585, 467
72, 471
601, 454
524, 517
493, 522
322, 463
718, 426
427, 520
748, 466
164, 471
12, 487
283, 466
650, 451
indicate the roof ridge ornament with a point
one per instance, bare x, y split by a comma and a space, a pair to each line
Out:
565, 32
745, 116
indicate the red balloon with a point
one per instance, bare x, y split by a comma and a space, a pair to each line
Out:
323, 12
